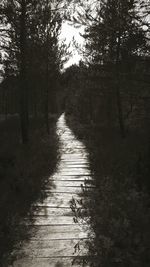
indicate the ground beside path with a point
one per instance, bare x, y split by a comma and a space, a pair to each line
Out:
54, 235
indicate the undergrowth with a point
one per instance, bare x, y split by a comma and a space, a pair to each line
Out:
24, 172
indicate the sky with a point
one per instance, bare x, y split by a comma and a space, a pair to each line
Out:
69, 32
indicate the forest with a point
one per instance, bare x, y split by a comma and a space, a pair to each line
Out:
106, 101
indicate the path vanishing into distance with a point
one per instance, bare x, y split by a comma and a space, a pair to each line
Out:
56, 240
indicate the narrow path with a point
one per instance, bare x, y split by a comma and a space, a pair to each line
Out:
54, 232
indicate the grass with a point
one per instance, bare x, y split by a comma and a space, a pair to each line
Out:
119, 206
24, 171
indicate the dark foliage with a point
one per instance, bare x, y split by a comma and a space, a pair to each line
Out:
24, 171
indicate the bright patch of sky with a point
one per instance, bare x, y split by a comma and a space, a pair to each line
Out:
70, 32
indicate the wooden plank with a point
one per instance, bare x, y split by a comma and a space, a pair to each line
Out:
58, 200
74, 165
73, 150
74, 157
75, 170
50, 232
70, 187
53, 248
65, 190
72, 182
67, 176
46, 262
49, 220
46, 211
76, 161
74, 153
74, 173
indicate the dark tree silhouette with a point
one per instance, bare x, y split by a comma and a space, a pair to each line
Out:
32, 50
114, 39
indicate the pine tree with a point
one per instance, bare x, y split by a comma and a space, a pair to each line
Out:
33, 52
114, 36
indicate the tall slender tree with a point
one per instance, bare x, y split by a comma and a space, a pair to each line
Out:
113, 36
32, 29
17, 20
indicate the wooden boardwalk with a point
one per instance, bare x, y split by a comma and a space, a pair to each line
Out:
54, 232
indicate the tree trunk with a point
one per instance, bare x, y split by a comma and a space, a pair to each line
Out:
109, 111
47, 79
23, 88
120, 110
118, 96
47, 90
47, 108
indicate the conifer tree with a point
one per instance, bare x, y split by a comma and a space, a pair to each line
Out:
114, 36
32, 49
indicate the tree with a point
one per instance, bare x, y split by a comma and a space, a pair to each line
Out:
17, 19
114, 35
32, 30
